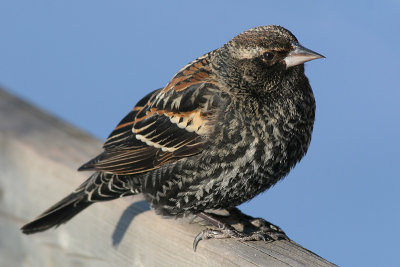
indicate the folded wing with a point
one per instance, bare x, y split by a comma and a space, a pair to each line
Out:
166, 125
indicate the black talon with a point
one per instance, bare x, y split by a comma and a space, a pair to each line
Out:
197, 240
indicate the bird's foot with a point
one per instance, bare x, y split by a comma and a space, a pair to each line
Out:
265, 231
271, 230
228, 233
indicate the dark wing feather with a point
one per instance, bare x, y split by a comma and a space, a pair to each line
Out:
166, 125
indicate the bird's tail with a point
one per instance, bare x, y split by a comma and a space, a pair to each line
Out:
99, 187
59, 213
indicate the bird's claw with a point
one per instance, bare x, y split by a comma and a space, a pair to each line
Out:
205, 234
230, 233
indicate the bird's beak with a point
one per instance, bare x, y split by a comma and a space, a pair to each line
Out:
299, 55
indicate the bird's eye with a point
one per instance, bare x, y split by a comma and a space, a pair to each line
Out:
268, 55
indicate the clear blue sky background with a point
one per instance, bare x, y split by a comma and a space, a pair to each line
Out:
89, 62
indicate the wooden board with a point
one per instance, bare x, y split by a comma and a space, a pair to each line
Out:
39, 155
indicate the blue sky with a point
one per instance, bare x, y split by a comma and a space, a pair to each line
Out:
89, 62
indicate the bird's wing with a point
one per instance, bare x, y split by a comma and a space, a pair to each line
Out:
166, 125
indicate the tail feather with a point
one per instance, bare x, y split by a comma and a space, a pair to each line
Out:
99, 187
58, 214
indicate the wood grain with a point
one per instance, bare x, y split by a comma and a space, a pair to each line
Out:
39, 155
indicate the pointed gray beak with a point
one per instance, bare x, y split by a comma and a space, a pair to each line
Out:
299, 55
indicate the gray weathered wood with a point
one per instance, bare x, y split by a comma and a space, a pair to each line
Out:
39, 155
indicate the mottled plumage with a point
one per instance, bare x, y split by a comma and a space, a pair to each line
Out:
226, 127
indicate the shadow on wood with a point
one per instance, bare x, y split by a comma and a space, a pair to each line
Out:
39, 155
126, 218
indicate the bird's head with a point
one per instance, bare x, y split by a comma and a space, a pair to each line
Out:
262, 56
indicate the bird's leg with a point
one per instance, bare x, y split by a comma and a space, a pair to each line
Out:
224, 231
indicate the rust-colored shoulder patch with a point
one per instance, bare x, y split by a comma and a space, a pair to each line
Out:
197, 72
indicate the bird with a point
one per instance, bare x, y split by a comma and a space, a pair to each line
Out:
225, 128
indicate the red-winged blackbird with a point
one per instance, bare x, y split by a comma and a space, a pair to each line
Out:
228, 126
